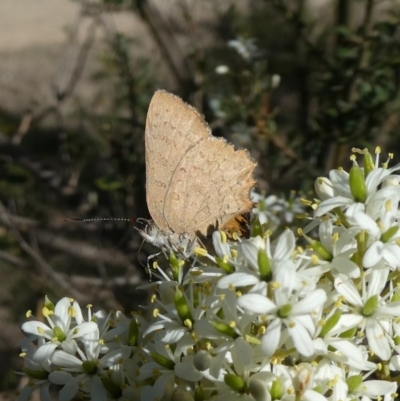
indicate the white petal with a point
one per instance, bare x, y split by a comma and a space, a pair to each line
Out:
187, 372
325, 234
346, 322
353, 353
311, 395
250, 253
345, 266
329, 204
97, 390
285, 275
367, 223
242, 351
377, 339
375, 388
391, 254
340, 391
173, 335
68, 392
78, 313
312, 301
45, 393
306, 321
239, 279
61, 315
84, 329
25, 393
394, 362
35, 327
320, 347
44, 351
65, 360
346, 287
373, 255
324, 188
270, 340
115, 357
60, 377
69, 346
256, 303
221, 248
285, 245
301, 339
377, 281
389, 310
340, 180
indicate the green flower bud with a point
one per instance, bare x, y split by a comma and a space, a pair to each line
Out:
276, 390
182, 306
321, 251
389, 233
348, 333
357, 184
111, 387
330, 323
256, 228
235, 382
59, 334
369, 163
285, 310
89, 367
163, 361
370, 306
48, 304
354, 382
36, 374
199, 393
223, 328
174, 262
264, 265
225, 266
133, 333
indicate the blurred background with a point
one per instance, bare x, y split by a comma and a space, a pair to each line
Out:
296, 82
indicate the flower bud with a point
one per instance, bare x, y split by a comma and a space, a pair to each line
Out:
235, 382
369, 164
324, 188
357, 184
202, 360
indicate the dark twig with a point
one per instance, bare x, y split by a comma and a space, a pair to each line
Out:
42, 266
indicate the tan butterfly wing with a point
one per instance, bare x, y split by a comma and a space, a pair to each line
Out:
172, 128
194, 180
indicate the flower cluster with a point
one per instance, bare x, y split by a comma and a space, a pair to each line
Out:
257, 319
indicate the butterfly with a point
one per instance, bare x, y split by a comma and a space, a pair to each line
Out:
195, 182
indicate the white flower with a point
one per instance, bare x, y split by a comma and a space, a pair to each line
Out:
222, 69
384, 233
369, 311
37, 372
245, 47
66, 326
278, 254
286, 310
341, 195
84, 373
341, 244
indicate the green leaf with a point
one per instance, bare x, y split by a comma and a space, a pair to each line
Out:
108, 185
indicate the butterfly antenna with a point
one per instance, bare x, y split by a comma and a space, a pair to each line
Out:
69, 220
